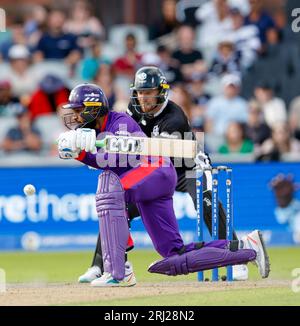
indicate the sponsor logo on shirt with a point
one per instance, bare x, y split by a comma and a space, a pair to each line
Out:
155, 131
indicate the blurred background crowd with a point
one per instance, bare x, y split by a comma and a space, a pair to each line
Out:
233, 66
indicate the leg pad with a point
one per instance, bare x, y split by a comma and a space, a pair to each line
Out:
114, 233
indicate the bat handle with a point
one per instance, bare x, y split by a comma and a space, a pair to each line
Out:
101, 143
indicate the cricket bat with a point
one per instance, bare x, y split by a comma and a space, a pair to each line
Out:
149, 146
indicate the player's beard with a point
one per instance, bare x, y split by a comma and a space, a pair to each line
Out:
90, 125
152, 109
148, 107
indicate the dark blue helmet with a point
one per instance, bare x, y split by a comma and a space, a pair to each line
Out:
147, 78
89, 101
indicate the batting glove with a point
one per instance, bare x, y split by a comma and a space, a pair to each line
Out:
66, 144
86, 140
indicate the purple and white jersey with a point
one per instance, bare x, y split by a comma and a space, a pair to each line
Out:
119, 124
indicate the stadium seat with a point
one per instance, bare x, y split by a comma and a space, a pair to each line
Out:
49, 126
208, 51
4, 70
52, 67
111, 51
147, 47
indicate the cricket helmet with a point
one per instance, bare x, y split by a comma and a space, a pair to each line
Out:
89, 101
147, 78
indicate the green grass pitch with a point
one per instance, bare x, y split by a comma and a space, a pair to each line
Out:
65, 267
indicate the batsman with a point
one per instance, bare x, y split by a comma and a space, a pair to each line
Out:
147, 182
160, 117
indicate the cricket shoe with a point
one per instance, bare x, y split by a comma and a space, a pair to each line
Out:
91, 274
240, 272
254, 240
106, 280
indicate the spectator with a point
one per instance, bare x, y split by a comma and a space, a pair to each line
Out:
242, 6
274, 108
20, 74
104, 79
245, 38
181, 97
186, 11
190, 59
90, 65
281, 142
9, 104
169, 65
17, 37
272, 37
82, 23
48, 97
215, 23
35, 24
236, 141
287, 211
223, 109
280, 20
126, 65
200, 99
196, 88
256, 129
226, 60
168, 21
6, 33
23, 137
55, 44
259, 18
294, 117
164, 61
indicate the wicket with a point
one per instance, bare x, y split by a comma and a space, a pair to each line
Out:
215, 211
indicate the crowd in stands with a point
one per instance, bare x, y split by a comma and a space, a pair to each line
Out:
205, 51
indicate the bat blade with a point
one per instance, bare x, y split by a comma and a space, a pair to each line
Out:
149, 146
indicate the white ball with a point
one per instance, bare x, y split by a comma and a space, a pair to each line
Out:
31, 241
29, 190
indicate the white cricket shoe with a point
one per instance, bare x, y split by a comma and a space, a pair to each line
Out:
91, 274
254, 240
106, 280
240, 272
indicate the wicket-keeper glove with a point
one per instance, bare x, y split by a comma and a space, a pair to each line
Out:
202, 160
